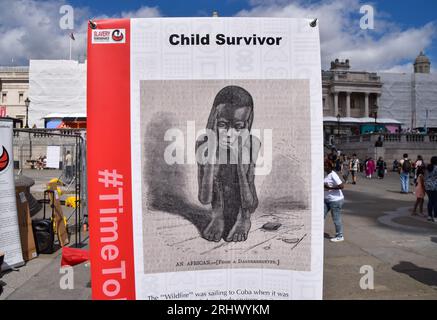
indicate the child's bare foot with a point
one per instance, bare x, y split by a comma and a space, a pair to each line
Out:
240, 229
214, 230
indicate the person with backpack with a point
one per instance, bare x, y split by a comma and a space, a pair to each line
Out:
405, 166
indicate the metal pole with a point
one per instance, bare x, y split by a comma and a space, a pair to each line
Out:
27, 117
70, 46
78, 164
75, 194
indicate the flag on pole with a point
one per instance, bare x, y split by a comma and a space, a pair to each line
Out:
71, 38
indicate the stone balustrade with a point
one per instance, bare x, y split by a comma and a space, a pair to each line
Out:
39, 133
390, 138
393, 146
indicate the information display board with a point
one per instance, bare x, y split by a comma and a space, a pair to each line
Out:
205, 153
10, 243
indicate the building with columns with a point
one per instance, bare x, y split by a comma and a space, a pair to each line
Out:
358, 102
350, 94
354, 102
14, 87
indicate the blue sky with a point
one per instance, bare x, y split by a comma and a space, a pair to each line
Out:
402, 28
407, 12
171, 8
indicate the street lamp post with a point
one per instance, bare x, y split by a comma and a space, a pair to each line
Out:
375, 115
27, 102
338, 126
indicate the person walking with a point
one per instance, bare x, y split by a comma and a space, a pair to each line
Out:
334, 200
404, 172
396, 166
381, 168
370, 168
345, 169
354, 168
69, 166
419, 163
431, 189
338, 164
333, 156
420, 191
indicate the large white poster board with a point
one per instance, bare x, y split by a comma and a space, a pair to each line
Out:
10, 243
210, 186
53, 157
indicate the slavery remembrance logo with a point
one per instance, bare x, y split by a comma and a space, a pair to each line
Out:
4, 159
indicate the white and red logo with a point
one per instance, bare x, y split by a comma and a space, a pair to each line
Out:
117, 35
105, 36
4, 159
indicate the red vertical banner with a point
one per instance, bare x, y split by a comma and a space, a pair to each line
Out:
109, 160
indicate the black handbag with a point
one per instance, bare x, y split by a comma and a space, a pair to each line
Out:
43, 231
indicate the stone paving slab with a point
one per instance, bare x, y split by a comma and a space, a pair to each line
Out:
401, 252
404, 261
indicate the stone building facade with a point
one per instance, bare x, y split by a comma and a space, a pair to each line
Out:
357, 97
14, 87
350, 94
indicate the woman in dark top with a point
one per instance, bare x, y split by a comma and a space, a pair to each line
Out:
381, 166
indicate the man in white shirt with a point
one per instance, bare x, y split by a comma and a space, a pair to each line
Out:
69, 166
334, 200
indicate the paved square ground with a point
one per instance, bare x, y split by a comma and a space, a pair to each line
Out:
379, 232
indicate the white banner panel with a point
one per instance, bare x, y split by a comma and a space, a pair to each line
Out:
53, 157
10, 243
211, 187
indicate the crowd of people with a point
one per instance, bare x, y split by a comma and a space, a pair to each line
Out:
350, 166
341, 169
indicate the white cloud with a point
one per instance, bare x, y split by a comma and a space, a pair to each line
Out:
30, 29
400, 68
386, 47
143, 12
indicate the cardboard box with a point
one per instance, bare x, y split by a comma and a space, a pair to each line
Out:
25, 225
58, 216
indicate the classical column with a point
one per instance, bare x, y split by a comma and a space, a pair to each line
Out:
335, 104
366, 105
378, 96
348, 104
